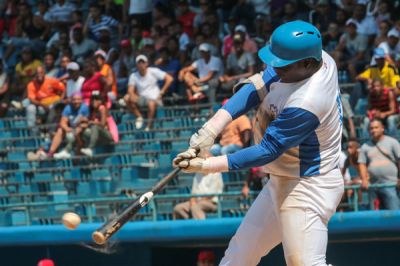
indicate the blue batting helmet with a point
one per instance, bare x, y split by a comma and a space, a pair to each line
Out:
291, 42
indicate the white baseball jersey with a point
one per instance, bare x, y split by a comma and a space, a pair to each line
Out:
320, 95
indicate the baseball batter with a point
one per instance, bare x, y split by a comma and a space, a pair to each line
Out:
299, 132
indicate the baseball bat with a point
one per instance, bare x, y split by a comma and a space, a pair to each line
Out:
102, 234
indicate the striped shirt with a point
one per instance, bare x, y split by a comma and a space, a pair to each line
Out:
61, 13
105, 21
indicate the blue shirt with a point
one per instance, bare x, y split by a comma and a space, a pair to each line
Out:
74, 115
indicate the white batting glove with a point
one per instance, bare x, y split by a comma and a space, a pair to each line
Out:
196, 165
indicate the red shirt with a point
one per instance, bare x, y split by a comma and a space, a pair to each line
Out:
187, 22
90, 85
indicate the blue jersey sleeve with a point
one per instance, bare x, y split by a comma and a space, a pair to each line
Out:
247, 97
289, 130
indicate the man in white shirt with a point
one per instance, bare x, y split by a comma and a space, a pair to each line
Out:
197, 207
209, 69
391, 46
143, 89
75, 81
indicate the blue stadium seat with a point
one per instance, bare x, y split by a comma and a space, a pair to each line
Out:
18, 217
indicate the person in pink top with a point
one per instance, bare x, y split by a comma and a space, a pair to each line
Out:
94, 81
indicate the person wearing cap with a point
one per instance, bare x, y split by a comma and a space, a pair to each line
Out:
81, 46
74, 81
206, 258
43, 94
297, 136
391, 46
239, 65
143, 90
350, 54
249, 44
69, 127
381, 70
209, 69
108, 74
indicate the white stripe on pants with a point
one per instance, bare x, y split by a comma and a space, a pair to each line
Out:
294, 211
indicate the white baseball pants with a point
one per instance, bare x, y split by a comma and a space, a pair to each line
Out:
294, 211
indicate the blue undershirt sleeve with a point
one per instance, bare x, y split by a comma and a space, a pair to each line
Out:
289, 130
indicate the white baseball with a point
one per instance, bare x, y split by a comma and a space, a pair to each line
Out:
71, 220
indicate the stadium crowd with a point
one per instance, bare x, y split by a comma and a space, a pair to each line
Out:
69, 62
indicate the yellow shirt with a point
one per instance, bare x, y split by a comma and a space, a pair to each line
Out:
388, 75
27, 72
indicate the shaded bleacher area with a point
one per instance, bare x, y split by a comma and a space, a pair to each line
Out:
40, 191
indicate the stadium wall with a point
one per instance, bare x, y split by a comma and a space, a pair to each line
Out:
360, 238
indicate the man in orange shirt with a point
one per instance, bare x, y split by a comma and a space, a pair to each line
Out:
43, 93
234, 137
108, 73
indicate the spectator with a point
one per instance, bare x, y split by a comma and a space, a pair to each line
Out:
81, 47
143, 90
234, 137
197, 207
349, 130
254, 181
170, 66
43, 93
94, 81
149, 49
140, 10
96, 21
161, 17
136, 38
381, 70
185, 17
25, 71
200, 18
249, 44
210, 35
331, 38
206, 258
244, 12
28, 32
74, 81
62, 74
108, 74
382, 105
384, 27
196, 51
111, 52
239, 65
60, 13
391, 47
209, 69
349, 167
69, 127
321, 16
378, 165
100, 129
49, 65
4, 93
366, 25
124, 66
351, 51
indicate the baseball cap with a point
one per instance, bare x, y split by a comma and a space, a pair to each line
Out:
100, 53
352, 21
393, 33
241, 28
141, 58
45, 262
125, 43
205, 47
73, 66
206, 255
379, 53
237, 38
